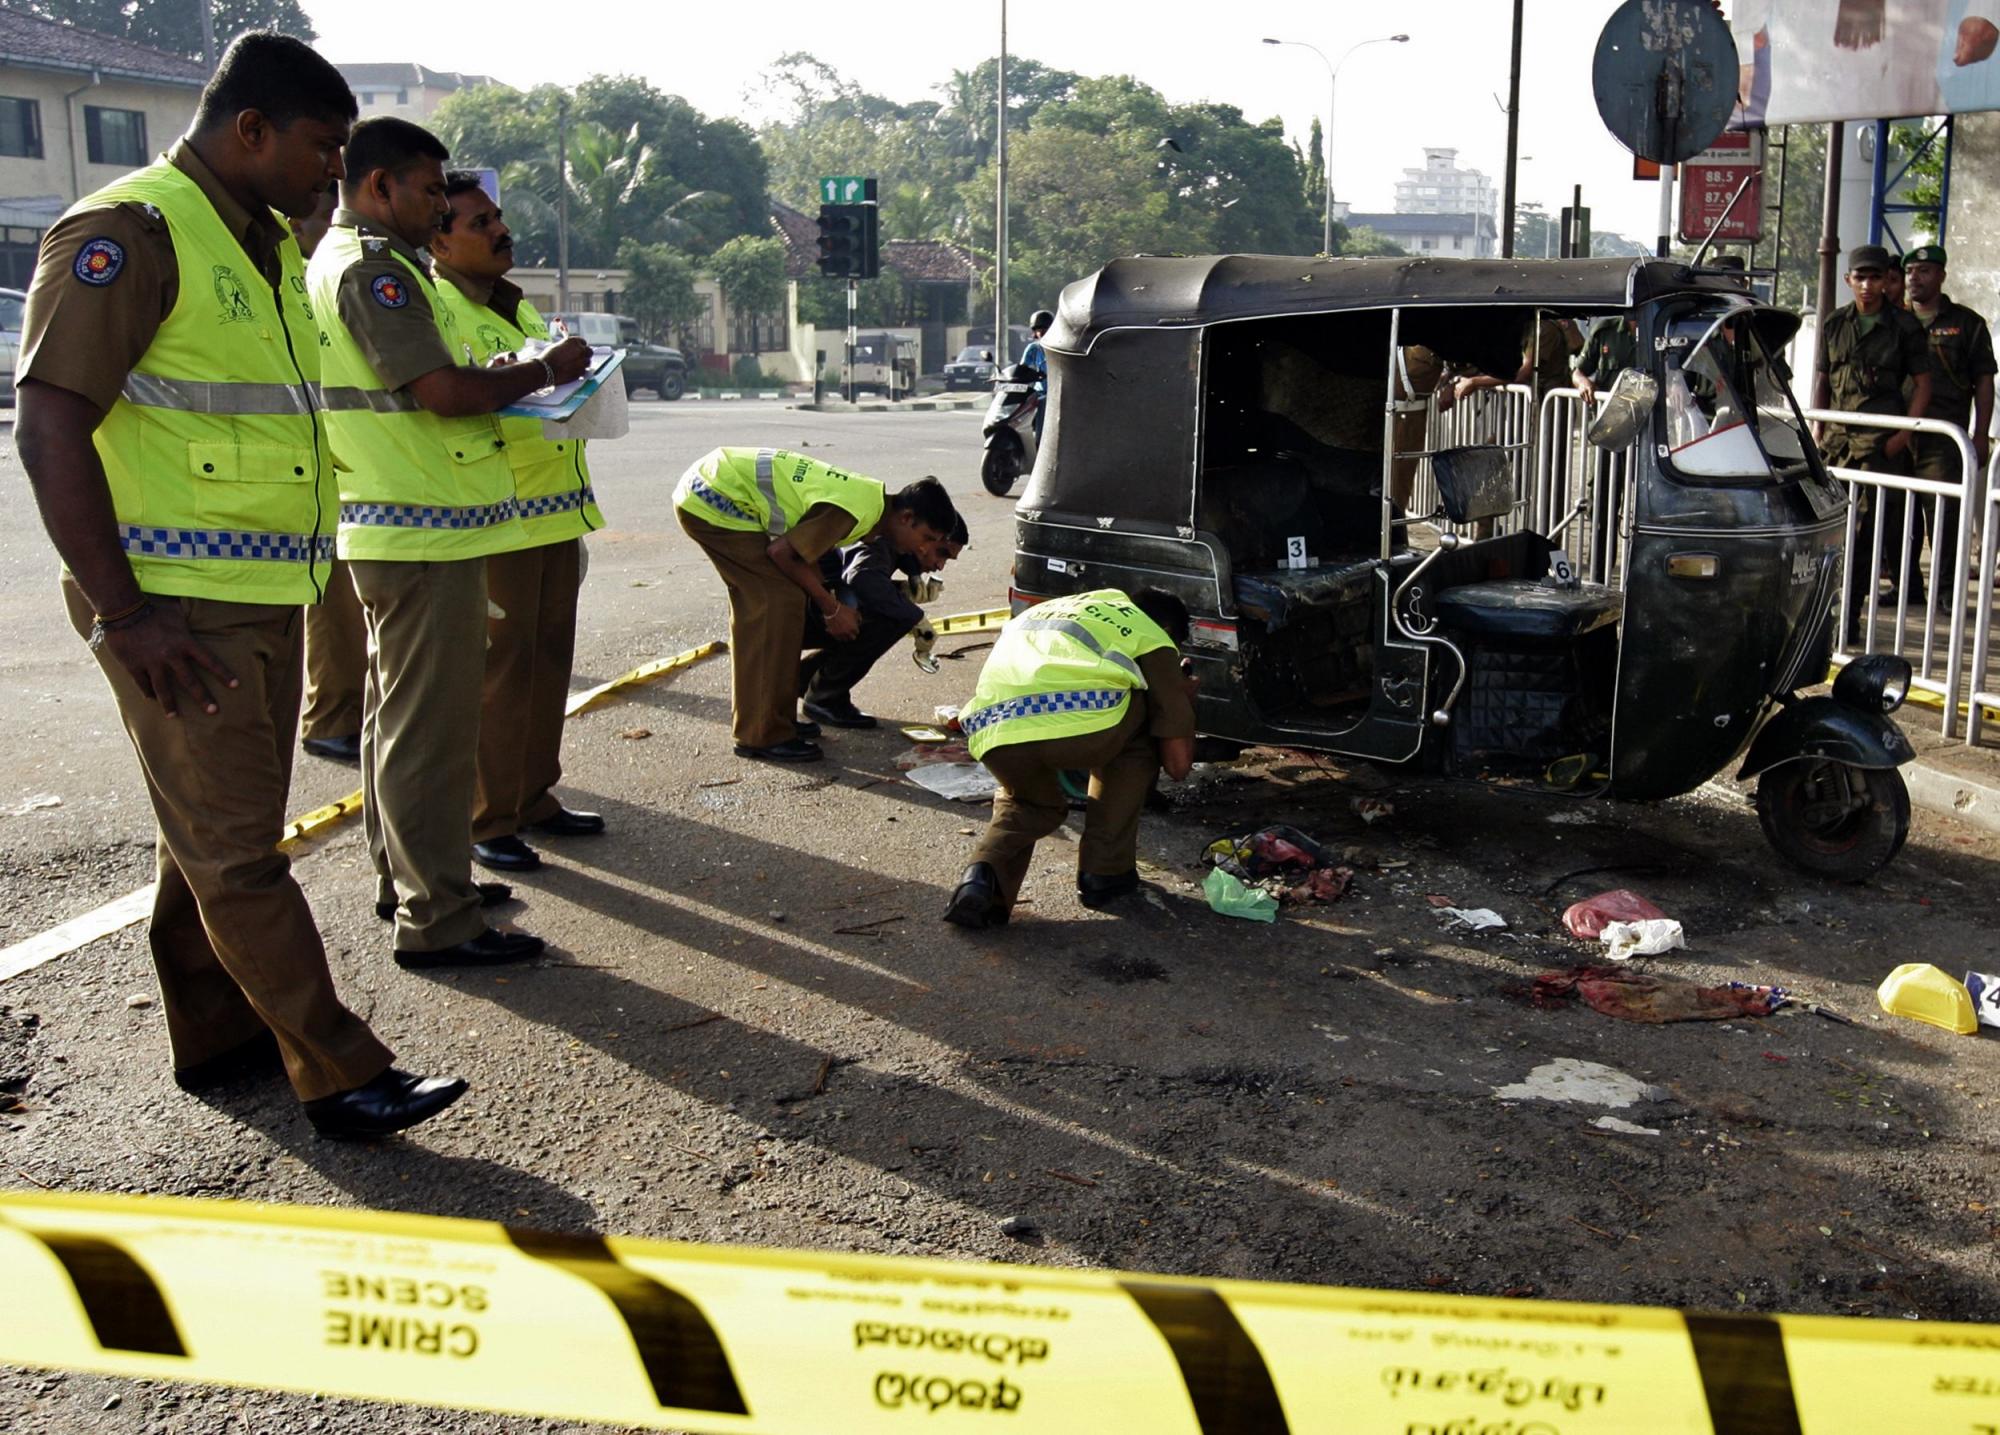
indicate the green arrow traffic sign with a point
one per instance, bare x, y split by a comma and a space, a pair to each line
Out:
842, 189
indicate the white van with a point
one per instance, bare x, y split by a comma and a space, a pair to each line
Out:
606, 331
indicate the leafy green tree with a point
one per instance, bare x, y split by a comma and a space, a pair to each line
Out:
1361, 242
751, 275
1312, 163
174, 25
660, 293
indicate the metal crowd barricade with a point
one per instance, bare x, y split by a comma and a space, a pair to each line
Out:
1582, 495
1882, 490
1503, 416
1984, 692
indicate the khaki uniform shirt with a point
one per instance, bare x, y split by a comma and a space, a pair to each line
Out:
1169, 710
403, 343
1961, 355
1866, 373
87, 337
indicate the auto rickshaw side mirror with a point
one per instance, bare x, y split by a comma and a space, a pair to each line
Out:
1622, 416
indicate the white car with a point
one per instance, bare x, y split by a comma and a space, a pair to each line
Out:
13, 303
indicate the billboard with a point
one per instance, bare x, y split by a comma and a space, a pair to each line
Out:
1709, 183
1806, 60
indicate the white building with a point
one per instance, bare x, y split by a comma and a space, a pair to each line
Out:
407, 91
1441, 187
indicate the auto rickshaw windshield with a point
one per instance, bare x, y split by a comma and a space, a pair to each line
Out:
1730, 414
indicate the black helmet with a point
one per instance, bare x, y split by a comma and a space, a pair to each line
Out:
1041, 321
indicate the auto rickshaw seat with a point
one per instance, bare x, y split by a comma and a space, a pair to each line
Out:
1521, 608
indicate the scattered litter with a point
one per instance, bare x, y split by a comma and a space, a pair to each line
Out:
926, 734
869, 929
1588, 1082
137, 1003
1624, 1128
720, 782
945, 715
1371, 810
1985, 993
1587, 919
1438, 899
36, 803
956, 781
1283, 862
1626, 940
636, 734
926, 753
777, 916
1570, 817
1477, 919
1638, 996
1392, 864
1069, 1176
1020, 1227
1921, 992
1227, 895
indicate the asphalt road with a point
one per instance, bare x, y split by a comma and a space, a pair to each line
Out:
1315, 1100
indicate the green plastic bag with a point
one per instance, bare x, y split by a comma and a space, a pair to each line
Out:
1228, 895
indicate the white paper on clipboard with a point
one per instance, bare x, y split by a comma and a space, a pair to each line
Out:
563, 400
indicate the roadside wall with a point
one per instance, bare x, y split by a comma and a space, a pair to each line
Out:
1972, 239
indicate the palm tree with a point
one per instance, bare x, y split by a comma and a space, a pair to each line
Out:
612, 181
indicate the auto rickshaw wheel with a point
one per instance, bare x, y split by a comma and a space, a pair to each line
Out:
1001, 468
1835, 821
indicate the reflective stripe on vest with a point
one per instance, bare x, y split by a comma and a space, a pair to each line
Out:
417, 515
720, 502
553, 503
1040, 704
224, 543
767, 485
1084, 636
194, 396
381, 401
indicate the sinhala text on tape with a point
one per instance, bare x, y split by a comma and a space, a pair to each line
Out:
475, 1315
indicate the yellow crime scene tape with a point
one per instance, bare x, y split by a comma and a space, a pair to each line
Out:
480, 1316
986, 621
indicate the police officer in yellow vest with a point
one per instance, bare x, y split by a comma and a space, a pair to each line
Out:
764, 516
531, 639
1091, 682
168, 425
426, 494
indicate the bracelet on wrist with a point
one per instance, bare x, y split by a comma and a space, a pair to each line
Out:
549, 370
112, 620
124, 618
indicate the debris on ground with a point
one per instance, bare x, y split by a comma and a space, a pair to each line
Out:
1019, 1227
1589, 1082
1923, 993
1476, 919
1371, 810
1282, 861
1228, 895
1639, 996
1624, 1128
956, 781
1650, 938
925, 753
636, 734
926, 734
1587, 919
37, 803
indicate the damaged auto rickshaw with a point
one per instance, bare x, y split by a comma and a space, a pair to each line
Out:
1246, 433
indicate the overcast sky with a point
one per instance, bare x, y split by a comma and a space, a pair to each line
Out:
1438, 89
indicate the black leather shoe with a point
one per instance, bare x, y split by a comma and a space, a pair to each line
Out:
491, 894
1094, 891
804, 730
256, 1057
566, 823
977, 902
795, 749
841, 714
391, 1102
489, 949
506, 854
335, 749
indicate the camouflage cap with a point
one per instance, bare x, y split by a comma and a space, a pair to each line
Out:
1926, 254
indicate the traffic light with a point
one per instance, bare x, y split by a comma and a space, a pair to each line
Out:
848, 246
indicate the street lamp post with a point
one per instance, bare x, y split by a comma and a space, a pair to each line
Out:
1332, 84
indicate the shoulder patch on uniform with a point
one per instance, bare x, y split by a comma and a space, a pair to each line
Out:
99, 261
389, 291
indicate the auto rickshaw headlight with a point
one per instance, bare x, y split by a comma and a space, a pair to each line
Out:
1877, 682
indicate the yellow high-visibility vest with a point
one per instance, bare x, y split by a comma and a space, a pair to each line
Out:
414, 487
220, 474
767, 490
551, 480
1063, 668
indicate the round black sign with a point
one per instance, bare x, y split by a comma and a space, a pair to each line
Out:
1665, 77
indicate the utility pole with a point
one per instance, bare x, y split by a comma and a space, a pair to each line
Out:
208, 55
1829, 258
1001, 357
562, 203
1513, 138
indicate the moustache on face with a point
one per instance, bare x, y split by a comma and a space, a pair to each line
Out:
504, 244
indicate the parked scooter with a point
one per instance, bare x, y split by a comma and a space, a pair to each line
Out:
1010, 428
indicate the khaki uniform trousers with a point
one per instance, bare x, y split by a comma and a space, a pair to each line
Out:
336, 660
767, 625
1123, 762
426, 660
530, 652
233, 940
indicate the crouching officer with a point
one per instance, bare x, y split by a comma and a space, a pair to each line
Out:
168, 427
764, 517
531, 641
1092, 681
426, 493
863, 576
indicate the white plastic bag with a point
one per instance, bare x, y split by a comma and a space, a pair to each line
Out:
1625, 940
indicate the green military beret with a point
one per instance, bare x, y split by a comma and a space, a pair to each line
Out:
1926, 254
